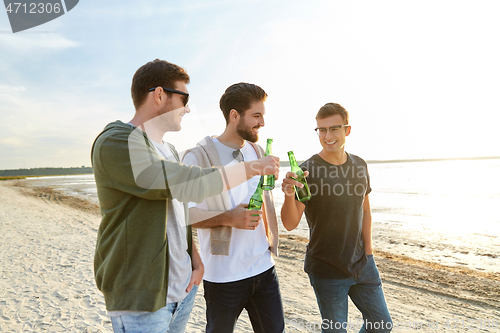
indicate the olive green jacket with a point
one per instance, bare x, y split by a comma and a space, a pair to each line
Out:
133, 182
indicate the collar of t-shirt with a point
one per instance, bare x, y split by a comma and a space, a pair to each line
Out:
228, 159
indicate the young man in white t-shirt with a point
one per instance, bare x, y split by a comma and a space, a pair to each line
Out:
143, 261
239, 268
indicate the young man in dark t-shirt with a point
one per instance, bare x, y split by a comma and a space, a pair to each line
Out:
339, 256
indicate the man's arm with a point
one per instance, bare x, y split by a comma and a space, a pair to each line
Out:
367, 226
292, 210
198, 269
239, 173
152, 174
239, 217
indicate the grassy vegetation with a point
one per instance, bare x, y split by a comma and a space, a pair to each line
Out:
11, 177
37, 176
46, 171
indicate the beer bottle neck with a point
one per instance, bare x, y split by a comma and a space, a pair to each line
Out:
291, 157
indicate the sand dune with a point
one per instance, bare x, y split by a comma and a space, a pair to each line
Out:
46, 248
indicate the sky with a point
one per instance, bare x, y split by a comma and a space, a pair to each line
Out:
419, 79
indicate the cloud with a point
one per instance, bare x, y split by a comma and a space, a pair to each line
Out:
49, 129
9, 90
13, 142
38, 42
152, 9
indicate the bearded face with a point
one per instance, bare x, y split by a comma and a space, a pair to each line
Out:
250, 121
246, 132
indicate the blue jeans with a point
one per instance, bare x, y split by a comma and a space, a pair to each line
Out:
259, 295
365, 290
171, 318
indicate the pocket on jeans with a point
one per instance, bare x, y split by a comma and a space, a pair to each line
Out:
117, 324
370, 271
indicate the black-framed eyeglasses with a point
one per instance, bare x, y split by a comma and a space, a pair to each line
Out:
333, 129
186, 95
238, 155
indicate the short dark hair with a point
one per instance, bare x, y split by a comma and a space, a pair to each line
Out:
240, 97
331, 109
156, 73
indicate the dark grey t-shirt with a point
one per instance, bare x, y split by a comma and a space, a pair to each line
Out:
335, 217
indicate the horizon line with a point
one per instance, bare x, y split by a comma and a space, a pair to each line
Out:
409, 160
434, 159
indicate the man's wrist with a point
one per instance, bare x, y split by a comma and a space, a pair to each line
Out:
250, 168
198, 265
227, 218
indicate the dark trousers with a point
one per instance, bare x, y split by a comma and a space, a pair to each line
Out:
259, 295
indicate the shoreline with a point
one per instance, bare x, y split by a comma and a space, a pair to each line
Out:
47, 248
49, 194
476, 251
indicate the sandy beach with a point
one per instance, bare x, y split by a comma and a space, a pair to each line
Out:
47, 244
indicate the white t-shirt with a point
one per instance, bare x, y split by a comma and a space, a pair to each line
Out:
249, 253
179, 267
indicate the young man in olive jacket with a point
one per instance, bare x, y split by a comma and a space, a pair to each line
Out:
145, 262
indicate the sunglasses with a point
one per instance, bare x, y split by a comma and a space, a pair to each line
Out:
238, 155
186, 95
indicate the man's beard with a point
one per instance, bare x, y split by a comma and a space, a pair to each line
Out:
246, 132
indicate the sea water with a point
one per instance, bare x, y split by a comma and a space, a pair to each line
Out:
440, 206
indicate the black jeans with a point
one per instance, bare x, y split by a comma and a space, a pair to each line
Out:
259, 295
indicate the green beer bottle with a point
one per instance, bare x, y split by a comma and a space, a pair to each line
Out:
303, 193
268, 180
256, 199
